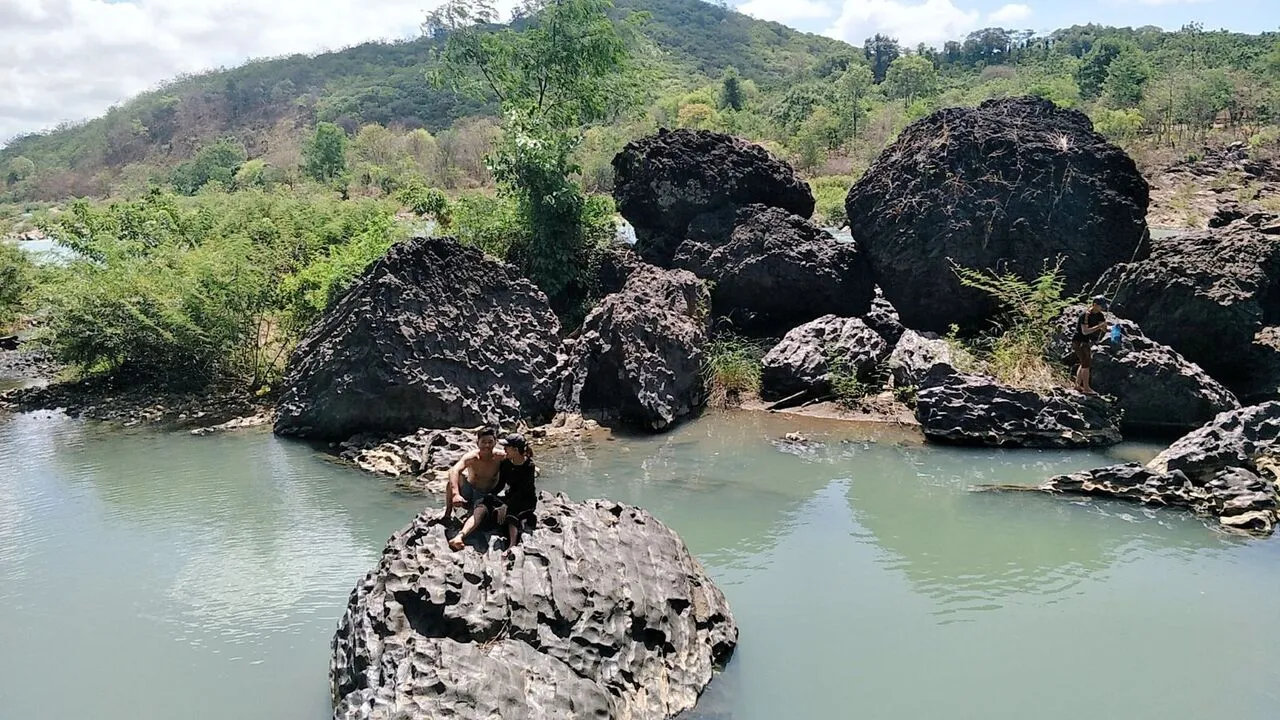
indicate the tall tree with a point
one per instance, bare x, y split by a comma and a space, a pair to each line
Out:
567, 64
881, 51
854, 86
731, 95
325, 155
1126, 77
1093, 68
911, 77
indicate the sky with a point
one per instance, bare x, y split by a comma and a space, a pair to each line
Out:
69, 60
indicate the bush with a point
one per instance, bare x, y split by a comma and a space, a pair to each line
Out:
1016, 352
830, 193
217, 287
732, 369
17, 275
487, 222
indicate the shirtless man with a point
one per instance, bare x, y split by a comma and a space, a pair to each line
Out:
481, 467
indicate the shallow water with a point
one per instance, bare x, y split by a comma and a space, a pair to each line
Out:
145, 575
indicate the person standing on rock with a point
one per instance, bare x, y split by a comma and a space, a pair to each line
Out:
1089, 330
481, 482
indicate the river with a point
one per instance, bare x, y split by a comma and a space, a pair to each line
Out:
154, 575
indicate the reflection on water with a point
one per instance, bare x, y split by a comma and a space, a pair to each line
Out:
204, 576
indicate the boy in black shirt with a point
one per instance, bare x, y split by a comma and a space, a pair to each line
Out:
1089, 330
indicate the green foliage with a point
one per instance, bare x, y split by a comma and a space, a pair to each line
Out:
842, 375
1118, 124
911, 77
854, 88
491, 223
732, 96
1126, 78
425, 201
1017, 350
325, 155
20, 168
17, 279
732, 368
218, 162
829, 193
204, 289
881, 52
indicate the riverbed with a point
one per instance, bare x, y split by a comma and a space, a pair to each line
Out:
153, 575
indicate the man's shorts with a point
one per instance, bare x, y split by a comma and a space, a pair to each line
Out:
1084, 354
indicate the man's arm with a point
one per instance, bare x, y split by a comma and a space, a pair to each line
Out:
454, 486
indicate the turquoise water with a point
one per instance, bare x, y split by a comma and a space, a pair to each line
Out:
149, 575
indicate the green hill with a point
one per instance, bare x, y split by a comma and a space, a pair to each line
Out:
265, 102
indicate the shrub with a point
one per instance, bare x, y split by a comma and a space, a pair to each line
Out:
830, 193
487, 222
1016, 351
732, 369
17, 275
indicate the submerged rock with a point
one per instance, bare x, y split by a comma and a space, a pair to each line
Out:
968, 409
802, 361
665, 182
600, 612
777, 270
432, 335
1001, 186
638, 358
1155, 388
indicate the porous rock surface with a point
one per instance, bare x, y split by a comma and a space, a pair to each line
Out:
665, 182
600, 612
1156, 389
1211, 295
1225, 470
638, 358
802, 361
434, 335
969, 409
1007, 186
777, 270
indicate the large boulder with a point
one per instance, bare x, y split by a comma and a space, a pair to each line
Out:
1155, 388
1208, 295
1007, 185
969, 409
600, 612
802, 362
883, 318
1232, 439
664, 182
638, 358
777, 270
432, 335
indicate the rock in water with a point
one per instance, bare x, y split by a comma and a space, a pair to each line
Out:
432, 335
967, 409
1207, 295
915, 355
1156, 389
1006, 185
638, 358
1236, 438
664, 182
602, 612
777, 270
802, 361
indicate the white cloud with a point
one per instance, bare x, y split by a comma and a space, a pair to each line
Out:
929, 21
784, 11
72, 59
1010, 14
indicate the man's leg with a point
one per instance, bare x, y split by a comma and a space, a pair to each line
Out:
477, 517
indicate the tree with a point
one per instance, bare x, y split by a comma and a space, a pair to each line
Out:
20, 168
1093, 68
695, 115
910, 77
568, 64
325, 156
881, 51
731, 96
1126, 77
854, 86
217, 162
